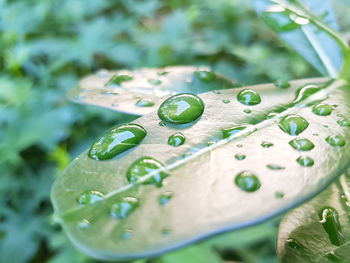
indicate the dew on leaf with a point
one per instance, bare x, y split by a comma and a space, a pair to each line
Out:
282, 84
278, 18
305, 92
84, 224
226, 101
118, 80
305, 161
329, 219
176, 139
144, 103
166, 231
181, 108
247, 181
123, 208
302, 144
336, 140
293, 124
154, 82
344, 123
126, 234
165, 197
206, 76
249, 97
216, 91
116, 141
247, 111
240, 157
279, 194
228, 132
322, 109
275, 167
90, 197
266, 144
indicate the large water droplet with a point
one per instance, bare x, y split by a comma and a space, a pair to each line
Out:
124, 207
293, 124
293, 243
329, 219
176, 139
116, 141
118, 80
145, 166
322, 109
344, 123
249, 97
336, 140
206, 76
226, 133
305, 92
90, 197
144, 103
247, 181
282, 84
165, 197
302, 144
305, 161
181, 108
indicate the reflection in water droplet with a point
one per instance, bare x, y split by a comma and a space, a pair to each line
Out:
336, 140
344, 123
181, 108
126, 234
154, 81
84, 224
206, 76
279, 194
322, 109
90, 197
266, 144
240, 157
116, 141
247, 111
176, 139
275, 167
118, 80
302, 144
123, 208
305, 161
293, 124
247, 181
226, 101
249, 97
282, 84
144, 103
145, 166
228, 132
329, 219
293, 243
165, 197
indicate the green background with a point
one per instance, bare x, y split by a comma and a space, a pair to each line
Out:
47, 45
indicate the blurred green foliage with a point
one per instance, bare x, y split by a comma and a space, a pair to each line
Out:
47, 45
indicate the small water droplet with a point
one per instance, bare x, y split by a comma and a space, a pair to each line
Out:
176, 139
165, 197
163, 73
126, 234
293, 243
217, 91
344, 123
228, 132
336, 140
226, 101
302, 144
247, 181
282, 84
123, 208
143, 167
84, 224
305, 161
239, 145
118, 80
162, 123
266, 144
275, 167
144, 103
206, 76
279, 194
154, 81
247, 111
329, 219
240, 157
166, 231
116, 141
102, 73
249, 97
90, 197
109, 93
293, 124
181, 108
322, 109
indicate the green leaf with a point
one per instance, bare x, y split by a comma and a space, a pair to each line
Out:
141, 91
319, 230
310, 28
201, 173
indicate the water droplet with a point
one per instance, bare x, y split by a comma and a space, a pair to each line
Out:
165, 197
102, 73
329, 219
331, 256
154, 81
176, 139
84, 224
116, 141
181, 108
279, 19
240, 157
166, 231
109, 93
279, 194
266, 144
162, 123
228, 132
299, 19
115, 105
293, 124
282, 84
247, 181
344, 123
239, 145
275, 167
302, 144
126, 234
144, 166
249, 97
118, 80
90, 197
144, 103
322, 109
305, 92
163, 73
247, 111
124, 207
293, 243
336, 140
305, 161
206, 76
217, 91
226, 101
